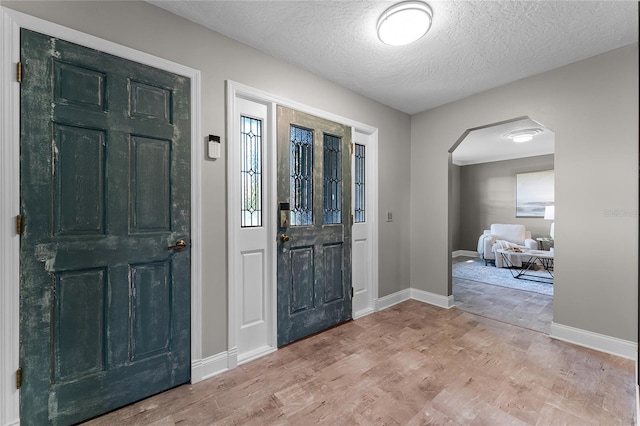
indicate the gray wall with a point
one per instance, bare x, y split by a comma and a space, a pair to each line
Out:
592, 107
150, 29
455, 207
487, 194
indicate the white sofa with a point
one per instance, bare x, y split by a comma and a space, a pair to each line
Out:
512, 233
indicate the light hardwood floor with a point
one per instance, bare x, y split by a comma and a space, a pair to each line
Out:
411, 364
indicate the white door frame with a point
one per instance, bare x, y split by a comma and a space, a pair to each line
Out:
236, 91
365, 281
12, 22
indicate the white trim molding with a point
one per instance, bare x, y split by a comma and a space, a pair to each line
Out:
12, 22
9, 209
392, 299
235, 91
439, 300
637, 391
255, 354
465, 253
591, 340
206, 368
364, 312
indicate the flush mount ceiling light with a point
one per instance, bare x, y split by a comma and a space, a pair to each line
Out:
404, 23
524, 135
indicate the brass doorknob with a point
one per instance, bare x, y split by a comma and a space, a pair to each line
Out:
284, 238
180, 244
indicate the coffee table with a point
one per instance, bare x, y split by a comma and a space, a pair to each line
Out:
528, 259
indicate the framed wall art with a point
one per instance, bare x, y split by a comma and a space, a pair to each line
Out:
534, 191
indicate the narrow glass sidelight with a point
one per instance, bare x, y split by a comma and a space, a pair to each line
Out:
359, 184
332, 179
251, 172
301, 176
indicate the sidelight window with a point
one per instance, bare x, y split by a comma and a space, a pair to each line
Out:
359, 184
251, 172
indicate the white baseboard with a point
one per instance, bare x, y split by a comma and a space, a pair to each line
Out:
208, 367
13, 423
224, 361
363, 313
255, 354
392, 299
232, 358
465, 253
432, 298
591, 340
637, 393
415, 294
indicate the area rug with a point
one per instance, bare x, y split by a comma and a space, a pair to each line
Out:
475, 270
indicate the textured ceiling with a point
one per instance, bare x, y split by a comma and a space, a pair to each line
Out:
472, 45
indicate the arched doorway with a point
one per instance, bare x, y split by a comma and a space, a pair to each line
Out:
486, 167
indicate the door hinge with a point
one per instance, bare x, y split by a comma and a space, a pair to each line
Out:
18, 378
19, 224
19, 72
352, 218
352, 292
353, 148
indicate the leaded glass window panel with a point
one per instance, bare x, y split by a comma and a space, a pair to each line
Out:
251, 172
332, 179
301, 181
359, 183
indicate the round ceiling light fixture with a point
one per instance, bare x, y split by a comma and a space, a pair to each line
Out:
522, 138
404, 23
524, 135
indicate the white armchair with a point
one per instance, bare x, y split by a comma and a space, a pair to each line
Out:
515, 234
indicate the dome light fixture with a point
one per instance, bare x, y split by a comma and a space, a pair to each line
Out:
404, 23
524, 135
523, 138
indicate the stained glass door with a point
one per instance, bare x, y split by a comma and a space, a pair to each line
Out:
314, 238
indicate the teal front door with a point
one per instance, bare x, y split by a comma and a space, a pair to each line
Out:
314, 238
104, 252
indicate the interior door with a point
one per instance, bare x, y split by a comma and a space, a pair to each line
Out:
105, 200
314, 238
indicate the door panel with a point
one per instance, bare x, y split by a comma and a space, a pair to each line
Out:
150, 286
362, 228
302, 279
251, 265
78, 336
79, 203
105, 189
333, 282
150, 183
314, 255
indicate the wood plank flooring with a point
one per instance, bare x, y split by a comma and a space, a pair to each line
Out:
522, 308
411, 364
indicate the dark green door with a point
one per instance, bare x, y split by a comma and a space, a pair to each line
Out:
314, 247
105, 190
